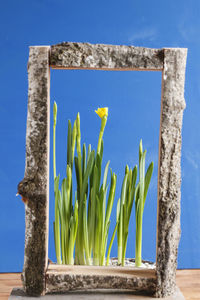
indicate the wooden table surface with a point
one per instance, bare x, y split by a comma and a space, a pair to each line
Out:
187, 280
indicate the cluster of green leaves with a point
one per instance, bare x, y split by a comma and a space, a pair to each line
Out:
124, 208
140, 198
85, 225
66, 216
129, 192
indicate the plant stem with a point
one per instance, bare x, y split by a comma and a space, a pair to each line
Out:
110, 245
54, 139
103, 124
138, 246
140, 198
120, 234
56, 191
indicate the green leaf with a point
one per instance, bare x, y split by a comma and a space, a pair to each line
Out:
140, 150
124, 247
137, 197
121, 222
83, 160
75, 220
118, 210
110, 197
98, 165
124, 229
74, 133
65, 205
105, 175
132, 192
134, 176
126, 169
77, 177
93, 207
87, 173
123, 191
147, 180
56, 183
85, 231
142, 177
128, 189
69, 187
101, 150
111, 242
89, 150
69, 144
118, 217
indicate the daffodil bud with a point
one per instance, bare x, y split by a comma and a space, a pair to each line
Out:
126, 169
102, 112
78, 125
140, 150
78, 135
54, 113
69, 177
74, 132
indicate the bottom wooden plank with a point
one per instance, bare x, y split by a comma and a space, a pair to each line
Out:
62, 278
187, 280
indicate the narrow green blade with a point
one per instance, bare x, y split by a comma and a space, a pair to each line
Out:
147, 180
83, 160
69, 144
105, 175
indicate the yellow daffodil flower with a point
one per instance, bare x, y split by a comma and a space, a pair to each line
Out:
102, 111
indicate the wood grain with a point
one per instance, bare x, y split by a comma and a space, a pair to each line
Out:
101, 270
187, 280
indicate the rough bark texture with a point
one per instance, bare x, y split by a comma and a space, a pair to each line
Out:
34, 188
106, 57
76, 278
169, 177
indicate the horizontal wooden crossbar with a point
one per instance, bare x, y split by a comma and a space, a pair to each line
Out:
62, 278
105, 57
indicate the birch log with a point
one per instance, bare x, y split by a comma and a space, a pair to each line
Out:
34, 188
169, 171
105, 57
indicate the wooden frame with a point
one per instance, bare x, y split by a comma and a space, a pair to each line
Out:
37, 276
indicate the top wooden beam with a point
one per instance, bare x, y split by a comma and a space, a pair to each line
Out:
68, 55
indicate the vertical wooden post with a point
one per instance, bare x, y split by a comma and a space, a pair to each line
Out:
34, 188
169, 170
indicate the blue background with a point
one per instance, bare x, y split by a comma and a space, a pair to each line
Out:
133, 99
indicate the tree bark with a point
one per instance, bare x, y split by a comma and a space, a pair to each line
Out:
62, 278
169, 170
105, 57
34, 188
